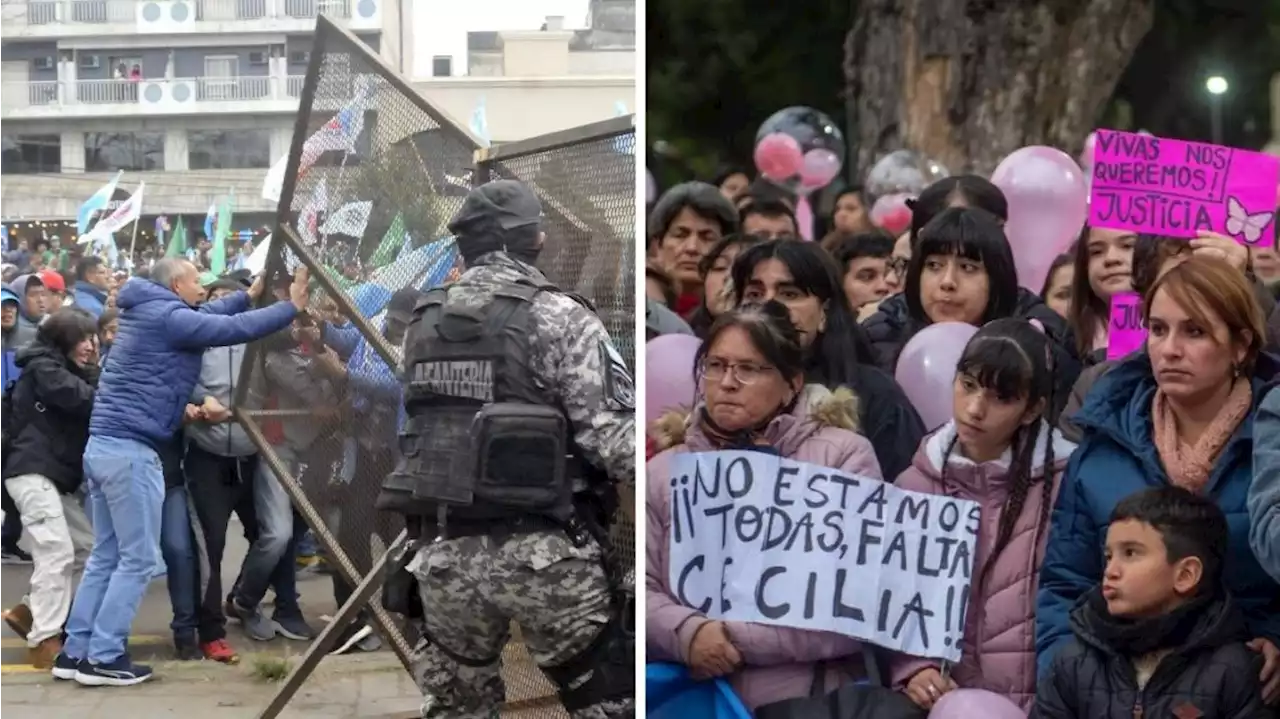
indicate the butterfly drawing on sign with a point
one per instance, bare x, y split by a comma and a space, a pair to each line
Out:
1241, 223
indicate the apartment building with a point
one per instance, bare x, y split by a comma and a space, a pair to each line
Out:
195, 97
537, 81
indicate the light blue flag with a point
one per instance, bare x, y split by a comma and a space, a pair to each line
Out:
623, 144
209, 218
479, 123
96, 203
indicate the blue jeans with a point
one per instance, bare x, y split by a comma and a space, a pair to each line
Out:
274, 541
177, 546
126, 493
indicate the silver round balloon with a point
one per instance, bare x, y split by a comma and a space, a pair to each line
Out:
821, 145
903, 172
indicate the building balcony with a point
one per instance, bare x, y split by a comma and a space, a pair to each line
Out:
177, 96
53, 19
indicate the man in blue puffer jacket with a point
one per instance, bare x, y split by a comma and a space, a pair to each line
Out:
141, 403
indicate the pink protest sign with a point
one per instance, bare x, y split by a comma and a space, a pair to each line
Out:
1125, 334
1176, 188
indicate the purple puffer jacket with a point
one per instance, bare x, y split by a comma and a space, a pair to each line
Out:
999, 632
778, 661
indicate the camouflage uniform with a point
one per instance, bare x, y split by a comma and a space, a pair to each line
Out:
474, 587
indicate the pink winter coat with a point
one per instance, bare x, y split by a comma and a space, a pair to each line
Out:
778, 662
999, 633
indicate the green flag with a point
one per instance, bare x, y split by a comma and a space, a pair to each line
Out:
218, 255
177, 243
392, 242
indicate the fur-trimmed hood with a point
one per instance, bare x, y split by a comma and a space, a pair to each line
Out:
817, 408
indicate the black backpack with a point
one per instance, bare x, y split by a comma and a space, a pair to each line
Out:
7, 427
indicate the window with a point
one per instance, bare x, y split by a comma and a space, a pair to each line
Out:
442, 66
134, 151
219, 81
26, 154
228, 149
121, 67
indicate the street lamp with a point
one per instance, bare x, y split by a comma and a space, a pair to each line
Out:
1217, 87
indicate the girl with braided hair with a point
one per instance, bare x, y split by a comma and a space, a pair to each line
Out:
1000, 451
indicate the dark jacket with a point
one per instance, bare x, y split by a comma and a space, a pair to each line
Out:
156, 358
1116, 458
51, 405
886, 416
891, 327
1211, 670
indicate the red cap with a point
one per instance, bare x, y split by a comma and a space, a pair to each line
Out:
53, 281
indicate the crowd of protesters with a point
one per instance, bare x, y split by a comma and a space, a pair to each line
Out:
1130, 507
138, 375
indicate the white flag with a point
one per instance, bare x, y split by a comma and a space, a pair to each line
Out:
256, 262
309, 218
128, 211
350, 219
273, 183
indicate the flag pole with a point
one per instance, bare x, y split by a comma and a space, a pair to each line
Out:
133, 244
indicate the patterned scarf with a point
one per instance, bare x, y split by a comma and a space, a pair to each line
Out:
1187, 465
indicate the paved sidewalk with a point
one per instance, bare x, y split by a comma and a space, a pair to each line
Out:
372, 686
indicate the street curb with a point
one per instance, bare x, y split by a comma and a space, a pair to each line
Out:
208, 671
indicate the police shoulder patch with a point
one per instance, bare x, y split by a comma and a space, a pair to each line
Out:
619, 385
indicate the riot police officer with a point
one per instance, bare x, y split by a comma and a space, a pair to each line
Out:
520, 418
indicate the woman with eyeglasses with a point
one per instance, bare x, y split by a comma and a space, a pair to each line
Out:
753, 396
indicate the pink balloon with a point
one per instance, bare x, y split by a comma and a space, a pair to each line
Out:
778, 156
891, 213
970, 703
1048, 205
669, 374
819, 167
927, 369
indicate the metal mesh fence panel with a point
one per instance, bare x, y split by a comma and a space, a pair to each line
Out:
374, 175
586, 179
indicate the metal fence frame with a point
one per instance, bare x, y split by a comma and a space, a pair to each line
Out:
330, 36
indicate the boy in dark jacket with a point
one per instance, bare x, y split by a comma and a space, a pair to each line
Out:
1159, 637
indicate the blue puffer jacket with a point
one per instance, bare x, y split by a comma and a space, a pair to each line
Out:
90, 298
1264, 495
156, 359
1116, 457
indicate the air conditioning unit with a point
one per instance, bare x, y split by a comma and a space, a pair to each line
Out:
258, 58
90, 62
299, 57
42, 63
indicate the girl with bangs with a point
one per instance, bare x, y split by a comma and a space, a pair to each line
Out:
962, 270
1000, 451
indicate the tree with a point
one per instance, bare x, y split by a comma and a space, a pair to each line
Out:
718, 68
966, 82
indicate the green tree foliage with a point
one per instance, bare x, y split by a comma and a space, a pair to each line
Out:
718, 68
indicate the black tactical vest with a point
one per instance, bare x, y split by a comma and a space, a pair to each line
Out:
478, 439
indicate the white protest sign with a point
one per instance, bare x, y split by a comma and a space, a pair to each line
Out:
759, 538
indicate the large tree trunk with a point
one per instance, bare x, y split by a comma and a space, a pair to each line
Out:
966, 82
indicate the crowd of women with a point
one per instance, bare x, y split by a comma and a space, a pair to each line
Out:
799, 343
